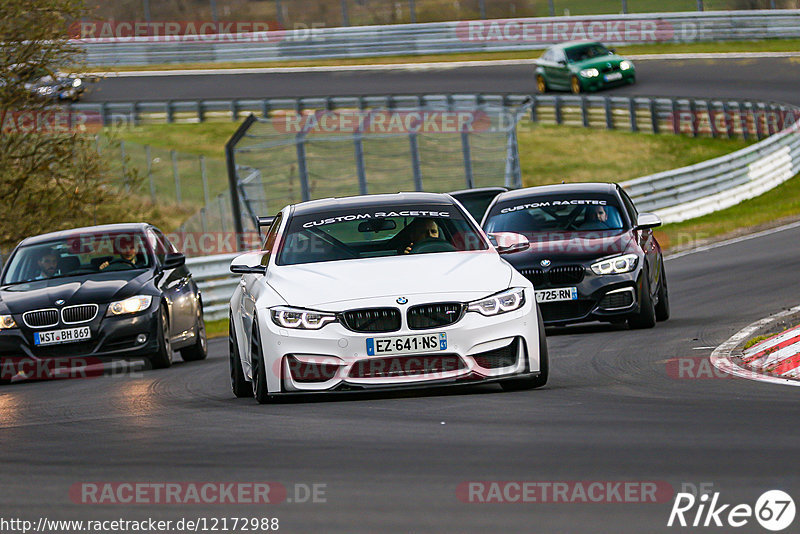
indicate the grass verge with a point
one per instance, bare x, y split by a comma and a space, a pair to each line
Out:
772, 45
217, 328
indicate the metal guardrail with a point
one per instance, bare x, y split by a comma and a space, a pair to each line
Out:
445, 37
674, 195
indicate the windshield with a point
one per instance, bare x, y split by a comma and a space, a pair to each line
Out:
555, 214
368, 233
79, 254
581, 53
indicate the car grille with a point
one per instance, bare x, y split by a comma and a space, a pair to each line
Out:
565, 311
81, 313
565, 274
620, 299
493, 359
413, 365
41, 318
372, 320
434, 315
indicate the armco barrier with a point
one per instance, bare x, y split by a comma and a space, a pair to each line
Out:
445, 37
674, 195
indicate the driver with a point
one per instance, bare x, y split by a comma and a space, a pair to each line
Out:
127, 249
421, 230
596, 214
48, 264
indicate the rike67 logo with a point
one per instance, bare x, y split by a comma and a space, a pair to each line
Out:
774, 510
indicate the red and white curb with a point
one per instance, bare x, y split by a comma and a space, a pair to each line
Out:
723, 360
777, 355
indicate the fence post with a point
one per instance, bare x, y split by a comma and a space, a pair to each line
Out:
584, 112
413, 8
204, 176
222, 216
302, 170
654, 116
676, 117
632, 114
150, 173
203, 220
513, 178
415, 165
609, 114
467, 154
345, 17
359, 153
559, 117
693, 115
176, 175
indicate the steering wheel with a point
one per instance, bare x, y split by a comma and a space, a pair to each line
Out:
120, 262
434, 245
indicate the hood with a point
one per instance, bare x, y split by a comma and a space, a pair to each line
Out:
572, 247
473, 274
100, 289
599, 62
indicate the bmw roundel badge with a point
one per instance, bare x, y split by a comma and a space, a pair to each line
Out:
402, 300
545, 263
59, 302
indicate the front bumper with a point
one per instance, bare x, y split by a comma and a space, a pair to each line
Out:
335, 359
599, 82
607, 298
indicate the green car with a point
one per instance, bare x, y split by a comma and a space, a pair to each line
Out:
582, 66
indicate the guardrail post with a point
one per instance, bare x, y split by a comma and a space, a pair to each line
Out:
711, 122
176, 175
757, 119
743, 121
693, 115
467, 155
134, 113
654, 116
169, 111
234, 110
150, 173
415, 164
609, 113
559, 117
104, 113
676, 117
534, 109
729, 126
201, 111
584, 112
632, 114
265, 108
360, 170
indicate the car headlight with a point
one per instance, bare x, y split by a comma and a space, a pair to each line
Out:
616, 265
509, 300
590, 73
625, 65
130, 305
6, 322
76, 82
287, 317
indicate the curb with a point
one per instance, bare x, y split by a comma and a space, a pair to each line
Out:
730, 356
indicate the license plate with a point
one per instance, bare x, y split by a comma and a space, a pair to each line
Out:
556, 295
613, 76
69, 335
406, 344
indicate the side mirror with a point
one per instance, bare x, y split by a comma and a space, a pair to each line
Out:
647, 220
562, 62
509, 242
612, 51
250, 263
173, 260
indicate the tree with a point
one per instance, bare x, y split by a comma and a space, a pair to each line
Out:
51, 176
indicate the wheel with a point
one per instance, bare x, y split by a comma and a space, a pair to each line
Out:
199, 350
662, 307
239, 384
575, 85
163, 357
646, 318
517, 384
260, 391
541, 84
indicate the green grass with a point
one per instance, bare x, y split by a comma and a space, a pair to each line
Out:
217, 328
772, 45
773, 208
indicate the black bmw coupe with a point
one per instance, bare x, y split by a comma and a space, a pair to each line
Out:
592, 255
105, 292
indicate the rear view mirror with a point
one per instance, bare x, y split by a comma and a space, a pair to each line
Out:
509, 242
376, 225
250, 263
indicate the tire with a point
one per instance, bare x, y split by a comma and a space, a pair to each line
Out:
575, 85
198, 351
662, 308
541, 84
259, 391
239, 385
532, 382
646, 318
163, 357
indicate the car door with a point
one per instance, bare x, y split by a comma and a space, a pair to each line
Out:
559, 72
176, 286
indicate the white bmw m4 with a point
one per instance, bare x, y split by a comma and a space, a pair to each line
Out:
379, 292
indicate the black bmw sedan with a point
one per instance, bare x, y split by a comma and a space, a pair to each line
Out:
592, 255
104, 292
